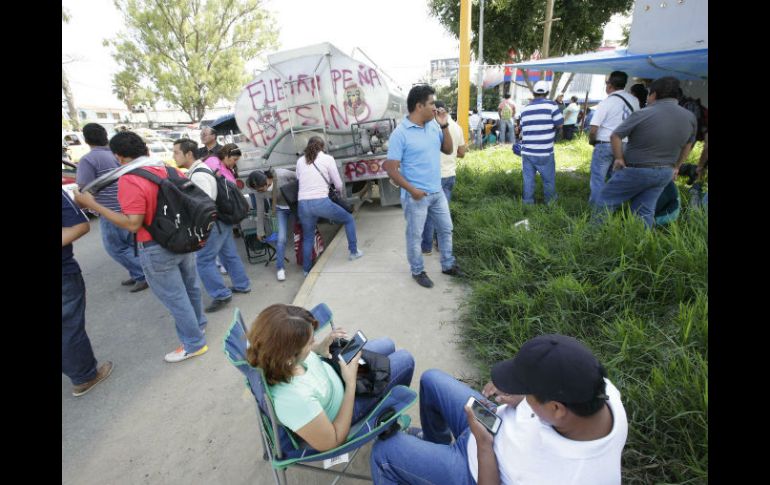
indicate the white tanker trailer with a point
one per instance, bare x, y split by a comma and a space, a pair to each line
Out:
320, 91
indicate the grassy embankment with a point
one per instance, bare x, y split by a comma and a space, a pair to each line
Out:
637, 298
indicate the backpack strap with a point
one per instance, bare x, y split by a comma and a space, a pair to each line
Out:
146, 174
624, 100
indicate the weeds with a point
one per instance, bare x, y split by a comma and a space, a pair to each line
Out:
637, 298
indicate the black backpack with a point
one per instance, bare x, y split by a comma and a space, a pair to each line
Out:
701, 115
232, 206
185, 213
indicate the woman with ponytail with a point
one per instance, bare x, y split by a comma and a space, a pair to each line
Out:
313, 170
267, 186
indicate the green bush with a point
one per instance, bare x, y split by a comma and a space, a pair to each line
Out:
637, 298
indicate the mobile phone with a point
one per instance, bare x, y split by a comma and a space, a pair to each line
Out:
353, 346
483, 415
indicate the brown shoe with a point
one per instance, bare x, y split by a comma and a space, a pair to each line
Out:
102, 373
128, 282
139, 286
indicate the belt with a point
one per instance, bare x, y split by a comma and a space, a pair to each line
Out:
598, 142
649, 165
146, 244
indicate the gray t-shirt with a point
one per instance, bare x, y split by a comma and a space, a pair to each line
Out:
657, 133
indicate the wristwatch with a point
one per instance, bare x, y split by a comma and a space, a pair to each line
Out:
444, 126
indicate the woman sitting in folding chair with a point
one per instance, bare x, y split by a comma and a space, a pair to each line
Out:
309, 397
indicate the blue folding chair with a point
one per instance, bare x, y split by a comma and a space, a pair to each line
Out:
282, 447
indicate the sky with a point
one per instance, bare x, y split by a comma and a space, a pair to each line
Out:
398, 35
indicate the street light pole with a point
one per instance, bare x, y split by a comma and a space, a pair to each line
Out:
479, 91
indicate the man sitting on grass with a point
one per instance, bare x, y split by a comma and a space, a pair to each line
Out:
562, 422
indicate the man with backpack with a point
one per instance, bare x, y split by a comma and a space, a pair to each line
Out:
171, 274
615, 108
506, 109
220, 242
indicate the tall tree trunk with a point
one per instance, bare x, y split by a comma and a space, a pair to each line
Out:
555, 84
569, 81
65, 86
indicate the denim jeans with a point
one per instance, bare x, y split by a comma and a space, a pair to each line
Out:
601, 168
77, 357
447, 184
173, 279
283, 216
220, 243
401, 371
416, 212
435, 459
642, 186
119, 244
569, 132
309, 212
546, 165
506, 132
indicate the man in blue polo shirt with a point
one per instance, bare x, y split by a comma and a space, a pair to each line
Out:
118, 242
539, 121
414, 164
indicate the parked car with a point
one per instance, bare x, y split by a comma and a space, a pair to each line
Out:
165, 151
75, 143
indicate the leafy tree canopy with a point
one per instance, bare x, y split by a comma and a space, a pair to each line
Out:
513, 24
190, 53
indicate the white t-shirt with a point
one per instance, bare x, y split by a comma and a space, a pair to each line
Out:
530, 452
203, 179
311, 183
449, 162
611, 112
473, 122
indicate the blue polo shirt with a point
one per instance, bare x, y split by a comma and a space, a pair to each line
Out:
418, 148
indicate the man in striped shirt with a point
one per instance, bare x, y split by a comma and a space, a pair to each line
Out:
118, 242
539, 121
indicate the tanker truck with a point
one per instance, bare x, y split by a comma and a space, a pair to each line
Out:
320, 91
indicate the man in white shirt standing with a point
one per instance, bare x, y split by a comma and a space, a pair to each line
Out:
562, 421
615, 108
570, 118
473, 126
448, 171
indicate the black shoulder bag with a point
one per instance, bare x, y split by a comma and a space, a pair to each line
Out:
334, 195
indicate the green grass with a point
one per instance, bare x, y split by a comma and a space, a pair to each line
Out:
637, 298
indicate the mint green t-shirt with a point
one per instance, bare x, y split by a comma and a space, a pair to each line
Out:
304, 397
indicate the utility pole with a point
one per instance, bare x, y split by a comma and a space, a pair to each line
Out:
479, 83
463, 85
547, 30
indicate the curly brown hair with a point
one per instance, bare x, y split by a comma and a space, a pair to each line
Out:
314, 145
276, 338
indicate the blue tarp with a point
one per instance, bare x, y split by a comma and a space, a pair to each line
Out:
690, 64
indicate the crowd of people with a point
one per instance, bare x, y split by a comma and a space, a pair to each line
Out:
562, 419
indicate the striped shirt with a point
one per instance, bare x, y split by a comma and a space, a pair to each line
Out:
93, 165
539, 120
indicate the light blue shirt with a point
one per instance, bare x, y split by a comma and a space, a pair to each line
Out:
418, 148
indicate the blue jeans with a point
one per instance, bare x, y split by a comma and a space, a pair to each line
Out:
601, 168
447, 184
416, 212
401, 371
220, 243
77, 357
642, 186
173, 279
546, 165
434, 460
119, 244
309, 212
506, 131
283, 216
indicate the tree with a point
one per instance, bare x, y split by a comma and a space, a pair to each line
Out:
192, 52
513, 24
65, 84
490, 98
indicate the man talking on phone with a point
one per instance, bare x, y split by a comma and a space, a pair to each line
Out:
414, 164
562, 421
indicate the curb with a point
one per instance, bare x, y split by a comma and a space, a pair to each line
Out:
303, 294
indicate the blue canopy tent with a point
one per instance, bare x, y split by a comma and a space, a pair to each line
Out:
684, 64
226, 124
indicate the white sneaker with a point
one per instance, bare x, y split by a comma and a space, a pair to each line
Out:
281, 275
222, 270
356, 255
179, 354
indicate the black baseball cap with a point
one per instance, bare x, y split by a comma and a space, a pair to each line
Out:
554, 367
